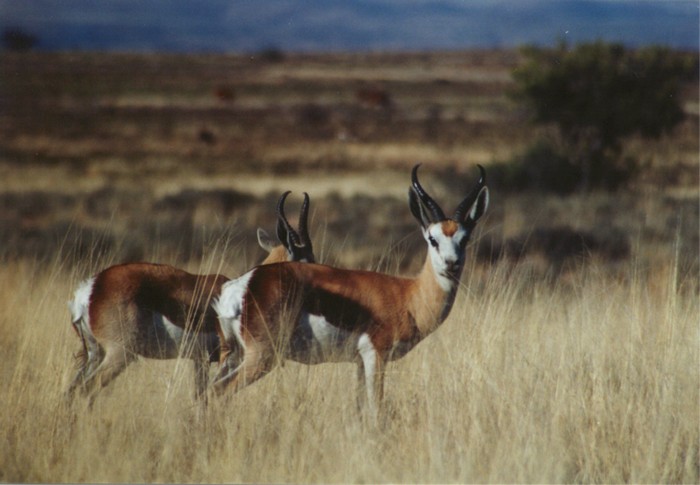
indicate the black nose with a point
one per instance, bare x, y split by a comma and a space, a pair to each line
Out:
453, 266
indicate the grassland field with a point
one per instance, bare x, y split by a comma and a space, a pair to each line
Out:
573, 350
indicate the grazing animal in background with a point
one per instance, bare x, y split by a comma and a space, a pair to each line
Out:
161, 312
225, 93
374, 97
206, 136
314, 313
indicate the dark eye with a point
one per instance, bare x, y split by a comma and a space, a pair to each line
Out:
432, 242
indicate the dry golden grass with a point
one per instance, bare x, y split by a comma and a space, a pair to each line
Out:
587, 374
592, 379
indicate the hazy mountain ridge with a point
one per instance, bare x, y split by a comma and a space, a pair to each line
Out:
333, 25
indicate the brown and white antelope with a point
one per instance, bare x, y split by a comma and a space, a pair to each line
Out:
313, 313
161, 312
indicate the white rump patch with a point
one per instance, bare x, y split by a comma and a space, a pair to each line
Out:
81, 301
80, 317
229, 305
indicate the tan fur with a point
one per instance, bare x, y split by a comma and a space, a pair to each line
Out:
314, 313
159, 311
394, 312
449, 227
124, 300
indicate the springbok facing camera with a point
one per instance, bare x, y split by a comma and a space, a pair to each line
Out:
161, 312
313, 313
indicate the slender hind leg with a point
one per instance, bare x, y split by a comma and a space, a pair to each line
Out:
90, 357
78, 379
115, 360
256, 363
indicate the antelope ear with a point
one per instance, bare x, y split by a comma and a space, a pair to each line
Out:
266, 241
479, 206
417, 208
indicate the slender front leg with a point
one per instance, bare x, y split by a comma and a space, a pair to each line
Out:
257, 361
373, 366
115, 360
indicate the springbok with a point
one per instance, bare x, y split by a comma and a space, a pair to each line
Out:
313, 313
161, 312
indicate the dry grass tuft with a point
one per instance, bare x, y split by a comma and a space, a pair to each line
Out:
590, 380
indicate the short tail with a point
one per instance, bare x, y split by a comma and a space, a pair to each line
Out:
79, 308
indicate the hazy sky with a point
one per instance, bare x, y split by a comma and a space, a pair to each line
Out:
249, 25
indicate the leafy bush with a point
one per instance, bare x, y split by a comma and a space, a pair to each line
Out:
545, 167
17, 39
597, 94
540, 168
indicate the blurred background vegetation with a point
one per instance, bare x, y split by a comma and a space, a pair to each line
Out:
597, 96
591, 151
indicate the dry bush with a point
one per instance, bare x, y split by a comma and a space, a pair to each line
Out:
591, 380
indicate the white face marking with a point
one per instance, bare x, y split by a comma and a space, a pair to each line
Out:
229, 305
446, 254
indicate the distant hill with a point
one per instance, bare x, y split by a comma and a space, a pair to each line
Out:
338, 25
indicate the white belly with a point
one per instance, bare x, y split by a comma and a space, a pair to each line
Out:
165, 340
316, 340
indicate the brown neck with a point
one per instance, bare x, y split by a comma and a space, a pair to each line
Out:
430, 303
277, 255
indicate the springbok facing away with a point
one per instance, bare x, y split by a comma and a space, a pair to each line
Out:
312, 313
161, 312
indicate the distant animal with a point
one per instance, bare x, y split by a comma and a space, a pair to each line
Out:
207, 136
313, 313
224, 93
161, 312
374, 97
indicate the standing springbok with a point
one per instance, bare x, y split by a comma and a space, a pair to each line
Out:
312, 313
161, 312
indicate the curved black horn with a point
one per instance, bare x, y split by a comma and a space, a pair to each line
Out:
303, 221
435, 210
284, 229
466, 204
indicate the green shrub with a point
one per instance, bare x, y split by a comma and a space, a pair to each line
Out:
597, 94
